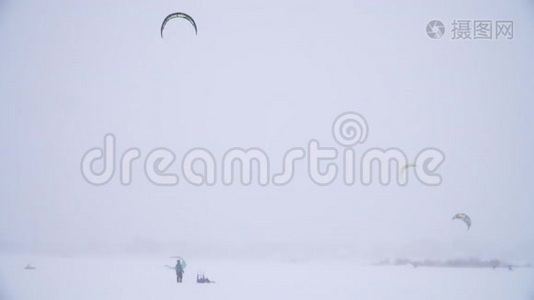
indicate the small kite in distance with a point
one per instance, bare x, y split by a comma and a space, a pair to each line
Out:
463, 217
178, 15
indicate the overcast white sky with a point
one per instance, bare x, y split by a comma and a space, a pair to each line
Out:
268, 74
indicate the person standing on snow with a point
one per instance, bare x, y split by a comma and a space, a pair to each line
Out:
179, 271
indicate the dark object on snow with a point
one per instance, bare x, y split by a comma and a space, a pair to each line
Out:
179, 271
203, 279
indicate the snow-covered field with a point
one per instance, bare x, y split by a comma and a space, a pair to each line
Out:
147, 278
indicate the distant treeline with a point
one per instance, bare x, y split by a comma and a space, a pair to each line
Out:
453, 263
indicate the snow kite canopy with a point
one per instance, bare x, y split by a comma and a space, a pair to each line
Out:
178, 15
182, 261
463, 217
